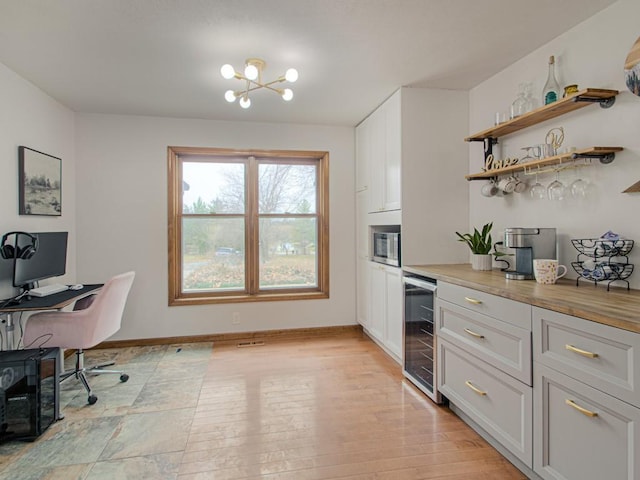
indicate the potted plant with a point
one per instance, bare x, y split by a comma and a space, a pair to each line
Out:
480, 244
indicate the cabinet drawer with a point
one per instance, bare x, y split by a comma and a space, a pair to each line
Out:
570, 444
500, 344
604, 357
497, 402
509, 311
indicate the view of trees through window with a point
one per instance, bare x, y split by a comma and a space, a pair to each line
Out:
270, 203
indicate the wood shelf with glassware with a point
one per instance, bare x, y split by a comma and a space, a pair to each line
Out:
604, 154
580, 99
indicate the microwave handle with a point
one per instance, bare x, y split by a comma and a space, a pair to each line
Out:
416, 282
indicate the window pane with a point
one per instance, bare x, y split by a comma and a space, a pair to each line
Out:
288, 252
212, 187
212, 254
287, 188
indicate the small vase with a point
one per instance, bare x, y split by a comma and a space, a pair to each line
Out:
481, 261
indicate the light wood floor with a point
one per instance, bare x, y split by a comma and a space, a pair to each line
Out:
323, 408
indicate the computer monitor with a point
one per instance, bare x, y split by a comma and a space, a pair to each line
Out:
50, 259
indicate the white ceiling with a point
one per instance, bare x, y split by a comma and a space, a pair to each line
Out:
162, 57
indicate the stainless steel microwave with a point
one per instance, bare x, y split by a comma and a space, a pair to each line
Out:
386, 248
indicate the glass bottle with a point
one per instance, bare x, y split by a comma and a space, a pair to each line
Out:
519, 104
551, 90
530, 102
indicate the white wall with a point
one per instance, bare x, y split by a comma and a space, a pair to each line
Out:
31, 118
122, 219
591, 55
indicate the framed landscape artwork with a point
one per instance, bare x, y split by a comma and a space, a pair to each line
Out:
40, 183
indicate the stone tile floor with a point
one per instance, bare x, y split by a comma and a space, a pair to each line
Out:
137, 429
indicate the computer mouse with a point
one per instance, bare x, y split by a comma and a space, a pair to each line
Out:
78, 286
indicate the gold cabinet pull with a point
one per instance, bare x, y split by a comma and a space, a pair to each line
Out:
473, 334
584, 411
474, 388
579, 351
473, 300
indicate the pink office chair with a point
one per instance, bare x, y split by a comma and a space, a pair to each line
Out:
93, 320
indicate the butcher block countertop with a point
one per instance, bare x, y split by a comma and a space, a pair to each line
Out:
617, 307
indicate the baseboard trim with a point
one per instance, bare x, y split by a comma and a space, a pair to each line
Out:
239, 337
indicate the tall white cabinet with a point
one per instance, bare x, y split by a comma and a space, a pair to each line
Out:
410, 172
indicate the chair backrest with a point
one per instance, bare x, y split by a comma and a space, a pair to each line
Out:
105, 312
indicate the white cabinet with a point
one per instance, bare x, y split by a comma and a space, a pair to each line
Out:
378, 153
500, 404
363, 156
587, 399
363, 286
582, 433
385, 314
484, 363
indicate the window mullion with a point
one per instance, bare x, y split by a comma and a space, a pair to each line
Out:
253, 251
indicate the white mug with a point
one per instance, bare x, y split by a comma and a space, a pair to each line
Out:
507, 185
546, 270
520, 186
489, 189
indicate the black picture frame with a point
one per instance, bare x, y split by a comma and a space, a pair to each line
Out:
40, 183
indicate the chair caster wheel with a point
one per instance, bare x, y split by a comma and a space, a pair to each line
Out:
92, 399
124, 377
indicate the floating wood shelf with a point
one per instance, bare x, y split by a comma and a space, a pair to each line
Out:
605, 154
578, 100
635, 188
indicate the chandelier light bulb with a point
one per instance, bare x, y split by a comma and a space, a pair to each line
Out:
291, 75
230, 96
251, 72
245, 102
227, 71
287, 94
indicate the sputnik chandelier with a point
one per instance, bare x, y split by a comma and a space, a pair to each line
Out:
253, 77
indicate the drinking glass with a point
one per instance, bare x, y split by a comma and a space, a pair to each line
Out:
538, 192
579, 188
556, 190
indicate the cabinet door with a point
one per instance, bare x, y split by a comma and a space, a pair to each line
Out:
393, 154
582, 433
363, 155
497, 402
394, 304
377, 304
362, 226
376, 165
363, 288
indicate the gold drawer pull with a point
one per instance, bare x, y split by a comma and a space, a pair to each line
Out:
473, 300
474, 388
473, 334
584, 411
580, 352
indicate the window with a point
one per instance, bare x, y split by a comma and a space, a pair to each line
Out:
247, 225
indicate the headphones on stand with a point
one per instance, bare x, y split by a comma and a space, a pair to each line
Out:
9, 251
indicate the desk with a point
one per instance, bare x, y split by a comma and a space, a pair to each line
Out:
56, 301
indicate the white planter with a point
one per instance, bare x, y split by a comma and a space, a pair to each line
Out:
481, 262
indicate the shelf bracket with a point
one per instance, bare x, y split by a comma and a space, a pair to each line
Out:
604, 102
488, 143
605, 158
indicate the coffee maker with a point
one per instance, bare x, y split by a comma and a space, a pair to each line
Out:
528, 245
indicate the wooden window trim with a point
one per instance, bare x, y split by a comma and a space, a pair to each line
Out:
175, 155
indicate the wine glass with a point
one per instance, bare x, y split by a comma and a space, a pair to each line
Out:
579, 188
538, 192
556, 190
